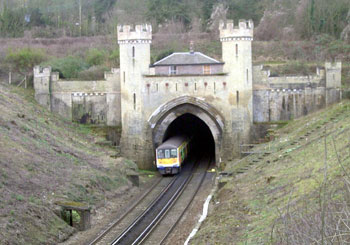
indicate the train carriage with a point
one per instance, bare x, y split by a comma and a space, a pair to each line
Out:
171, 154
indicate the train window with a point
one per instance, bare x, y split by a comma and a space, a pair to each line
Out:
167, 153
160, 154
173, 153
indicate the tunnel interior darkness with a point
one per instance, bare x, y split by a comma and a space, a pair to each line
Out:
202, 140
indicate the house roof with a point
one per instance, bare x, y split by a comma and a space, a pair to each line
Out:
187, 58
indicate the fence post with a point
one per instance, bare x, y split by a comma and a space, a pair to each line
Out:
10, 77
25, 81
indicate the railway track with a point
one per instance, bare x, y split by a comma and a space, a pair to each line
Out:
141, 220
117, 226
170, 220
144, 224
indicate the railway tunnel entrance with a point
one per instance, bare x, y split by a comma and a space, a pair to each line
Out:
202, 141
192, 117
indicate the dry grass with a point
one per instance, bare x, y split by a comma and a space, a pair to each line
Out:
277, 197
43, 159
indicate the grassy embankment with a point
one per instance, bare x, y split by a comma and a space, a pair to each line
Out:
292, 195
43, 159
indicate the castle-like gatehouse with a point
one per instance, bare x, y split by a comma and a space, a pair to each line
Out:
154, 101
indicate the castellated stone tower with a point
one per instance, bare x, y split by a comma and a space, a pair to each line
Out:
333, 74
237, 52
135, 44
42, 86
237, 55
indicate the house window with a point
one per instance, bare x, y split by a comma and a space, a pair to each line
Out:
172, 70
206, 70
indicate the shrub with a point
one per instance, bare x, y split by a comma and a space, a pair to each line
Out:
68, 67
95, 57
23, 60
114, 60
11, 22
93, 73
292, 68
76, 216
164, 54
338, 48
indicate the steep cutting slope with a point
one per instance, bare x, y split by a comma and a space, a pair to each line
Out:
294, 190
44, 159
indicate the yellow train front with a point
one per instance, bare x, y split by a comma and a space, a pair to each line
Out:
171, 154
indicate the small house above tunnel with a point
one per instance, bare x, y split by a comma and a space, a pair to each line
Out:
192, 117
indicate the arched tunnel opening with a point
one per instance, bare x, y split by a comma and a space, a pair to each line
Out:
202, 140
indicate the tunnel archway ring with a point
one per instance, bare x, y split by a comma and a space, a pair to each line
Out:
161, 119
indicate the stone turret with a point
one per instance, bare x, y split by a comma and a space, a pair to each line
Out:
139, 33
237, 52
333, 74
134, 43
229, 32
237, 55
42, 85
135, 56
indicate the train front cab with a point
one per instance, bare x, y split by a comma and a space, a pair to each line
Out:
168, 161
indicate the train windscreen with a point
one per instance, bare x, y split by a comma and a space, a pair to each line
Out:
168, 153
173, 153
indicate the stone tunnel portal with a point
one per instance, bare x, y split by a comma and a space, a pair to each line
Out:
193, 117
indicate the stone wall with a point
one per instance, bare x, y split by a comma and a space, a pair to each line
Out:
96, 102
288, 97
150, 102
211, 95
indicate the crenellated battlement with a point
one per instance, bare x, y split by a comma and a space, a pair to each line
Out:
135, 34
42, 71
243, 31
335, 65
112, 73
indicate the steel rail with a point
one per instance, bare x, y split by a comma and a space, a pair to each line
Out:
187, 206
153, 205
112, 225
164, 211
130, 227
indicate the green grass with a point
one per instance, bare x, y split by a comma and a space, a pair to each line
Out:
293, 173
40, 147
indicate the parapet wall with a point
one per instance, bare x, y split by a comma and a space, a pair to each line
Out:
283, 98
229, 31
138, 33
96, 102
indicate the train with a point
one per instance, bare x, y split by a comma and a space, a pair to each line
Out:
171, 154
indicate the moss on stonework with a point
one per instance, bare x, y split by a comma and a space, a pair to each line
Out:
72, 204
